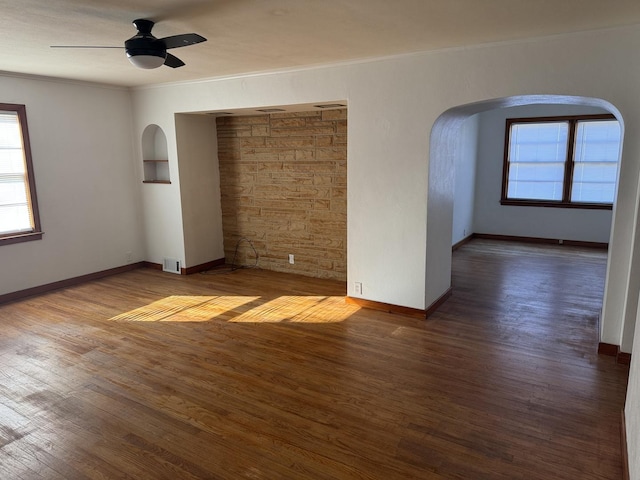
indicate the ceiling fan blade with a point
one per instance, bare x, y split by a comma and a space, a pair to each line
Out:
81, 46
173, 61
183, 40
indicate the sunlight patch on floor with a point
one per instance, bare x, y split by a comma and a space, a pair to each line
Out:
183, 308
242, 309
299, 309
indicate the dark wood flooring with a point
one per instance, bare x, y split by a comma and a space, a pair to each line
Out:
260, 375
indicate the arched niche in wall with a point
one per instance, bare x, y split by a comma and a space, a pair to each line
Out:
155, 158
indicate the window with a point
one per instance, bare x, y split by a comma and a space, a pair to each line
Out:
19, 220
561, 161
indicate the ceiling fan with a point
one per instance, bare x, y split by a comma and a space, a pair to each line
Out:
146, 51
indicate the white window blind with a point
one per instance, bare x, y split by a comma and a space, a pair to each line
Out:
569, 161
595, 170
15, 208
537, 153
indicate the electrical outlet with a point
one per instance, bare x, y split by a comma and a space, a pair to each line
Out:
358, 288
291, 259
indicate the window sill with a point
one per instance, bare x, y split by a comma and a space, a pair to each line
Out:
21, 237
538, 203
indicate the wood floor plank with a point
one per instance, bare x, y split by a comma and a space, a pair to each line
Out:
258, 374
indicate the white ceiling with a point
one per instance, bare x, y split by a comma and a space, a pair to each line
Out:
246, 36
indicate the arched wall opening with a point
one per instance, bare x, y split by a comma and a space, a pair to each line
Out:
445, 148
155, 155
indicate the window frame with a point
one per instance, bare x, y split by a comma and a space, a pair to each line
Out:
36, 233
569, 163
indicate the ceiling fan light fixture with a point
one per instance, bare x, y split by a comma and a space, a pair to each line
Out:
146, 61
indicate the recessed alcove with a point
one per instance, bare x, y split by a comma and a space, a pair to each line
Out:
155, 158
283, 177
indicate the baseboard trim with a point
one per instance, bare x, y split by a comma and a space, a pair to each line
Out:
70, 282
608, 349
623, 358
189, 270
386, 307
548, 241
462, 242
435, 305
407, 311
202, 267
624, 448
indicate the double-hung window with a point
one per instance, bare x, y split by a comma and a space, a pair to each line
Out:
19, 220
561, 161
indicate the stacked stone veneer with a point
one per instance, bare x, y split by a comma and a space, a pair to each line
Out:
283, 180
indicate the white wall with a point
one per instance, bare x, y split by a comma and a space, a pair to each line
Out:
161, 203
199, 188
465, 180
555, 223
86, 182
632, 414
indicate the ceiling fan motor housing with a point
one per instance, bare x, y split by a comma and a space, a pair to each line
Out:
145, 45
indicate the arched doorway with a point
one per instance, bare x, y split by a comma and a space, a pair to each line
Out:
444, 148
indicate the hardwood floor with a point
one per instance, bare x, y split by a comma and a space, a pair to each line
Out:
260, 375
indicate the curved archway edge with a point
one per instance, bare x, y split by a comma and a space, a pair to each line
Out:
615, 328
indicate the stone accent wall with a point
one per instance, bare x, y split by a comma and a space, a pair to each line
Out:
283, 181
